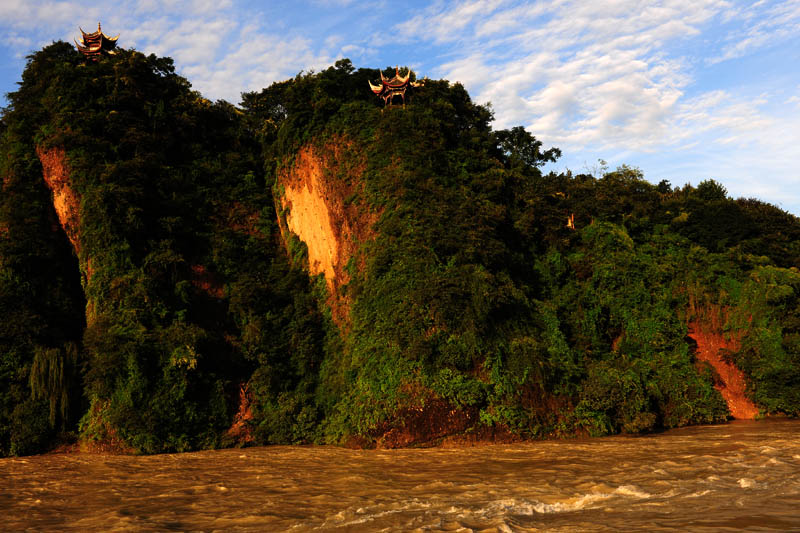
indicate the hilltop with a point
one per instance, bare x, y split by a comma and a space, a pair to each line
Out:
311, 267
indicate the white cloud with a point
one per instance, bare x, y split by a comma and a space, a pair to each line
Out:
767, 24
445, 21
584, 73
254, 62
196, 40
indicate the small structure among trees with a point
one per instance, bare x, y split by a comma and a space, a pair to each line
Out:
95, 44
395, 86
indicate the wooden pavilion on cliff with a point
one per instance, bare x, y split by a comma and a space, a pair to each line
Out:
95, 44
394, 86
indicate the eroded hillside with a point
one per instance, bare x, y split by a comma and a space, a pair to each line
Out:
313, 267
315, 193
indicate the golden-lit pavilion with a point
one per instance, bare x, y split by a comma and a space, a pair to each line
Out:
394, 86
95, 44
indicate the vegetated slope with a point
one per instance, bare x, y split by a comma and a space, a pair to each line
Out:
472, 309
162, 199
314, 268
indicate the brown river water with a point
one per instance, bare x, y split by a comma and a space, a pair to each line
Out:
743, 476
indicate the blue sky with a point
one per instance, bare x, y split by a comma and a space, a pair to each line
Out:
686, 90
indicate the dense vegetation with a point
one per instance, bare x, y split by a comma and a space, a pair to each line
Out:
182, 304
184, 289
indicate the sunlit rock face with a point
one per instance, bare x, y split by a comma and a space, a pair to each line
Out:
66, 202
313, 203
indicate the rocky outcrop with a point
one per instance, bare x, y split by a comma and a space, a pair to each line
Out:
240, 430
66, 201
315, 203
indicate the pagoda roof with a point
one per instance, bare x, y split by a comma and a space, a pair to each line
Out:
395, 83
95, 43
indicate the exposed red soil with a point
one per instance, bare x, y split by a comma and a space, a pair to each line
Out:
427, 420
66, 201
316, 206
240, 429
711, 346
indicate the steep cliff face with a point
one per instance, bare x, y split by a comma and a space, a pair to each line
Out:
66, 201
315, 204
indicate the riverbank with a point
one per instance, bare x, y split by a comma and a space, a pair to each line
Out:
472, 440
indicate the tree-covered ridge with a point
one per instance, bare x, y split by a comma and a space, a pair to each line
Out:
185, 296
472, 310
476, 293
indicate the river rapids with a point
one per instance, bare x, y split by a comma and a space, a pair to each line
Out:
733, 477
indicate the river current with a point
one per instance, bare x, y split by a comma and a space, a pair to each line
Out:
733, 477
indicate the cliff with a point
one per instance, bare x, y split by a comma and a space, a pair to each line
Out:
66, 202
314, 198
339, 272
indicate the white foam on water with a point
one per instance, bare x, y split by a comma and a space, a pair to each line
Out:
671, 493
433, 485
631, 490
361, 515
528, 508
746, 483
370, 517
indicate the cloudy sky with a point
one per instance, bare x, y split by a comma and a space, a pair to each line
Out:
686, 90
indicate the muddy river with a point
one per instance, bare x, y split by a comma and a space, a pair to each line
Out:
734, 477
